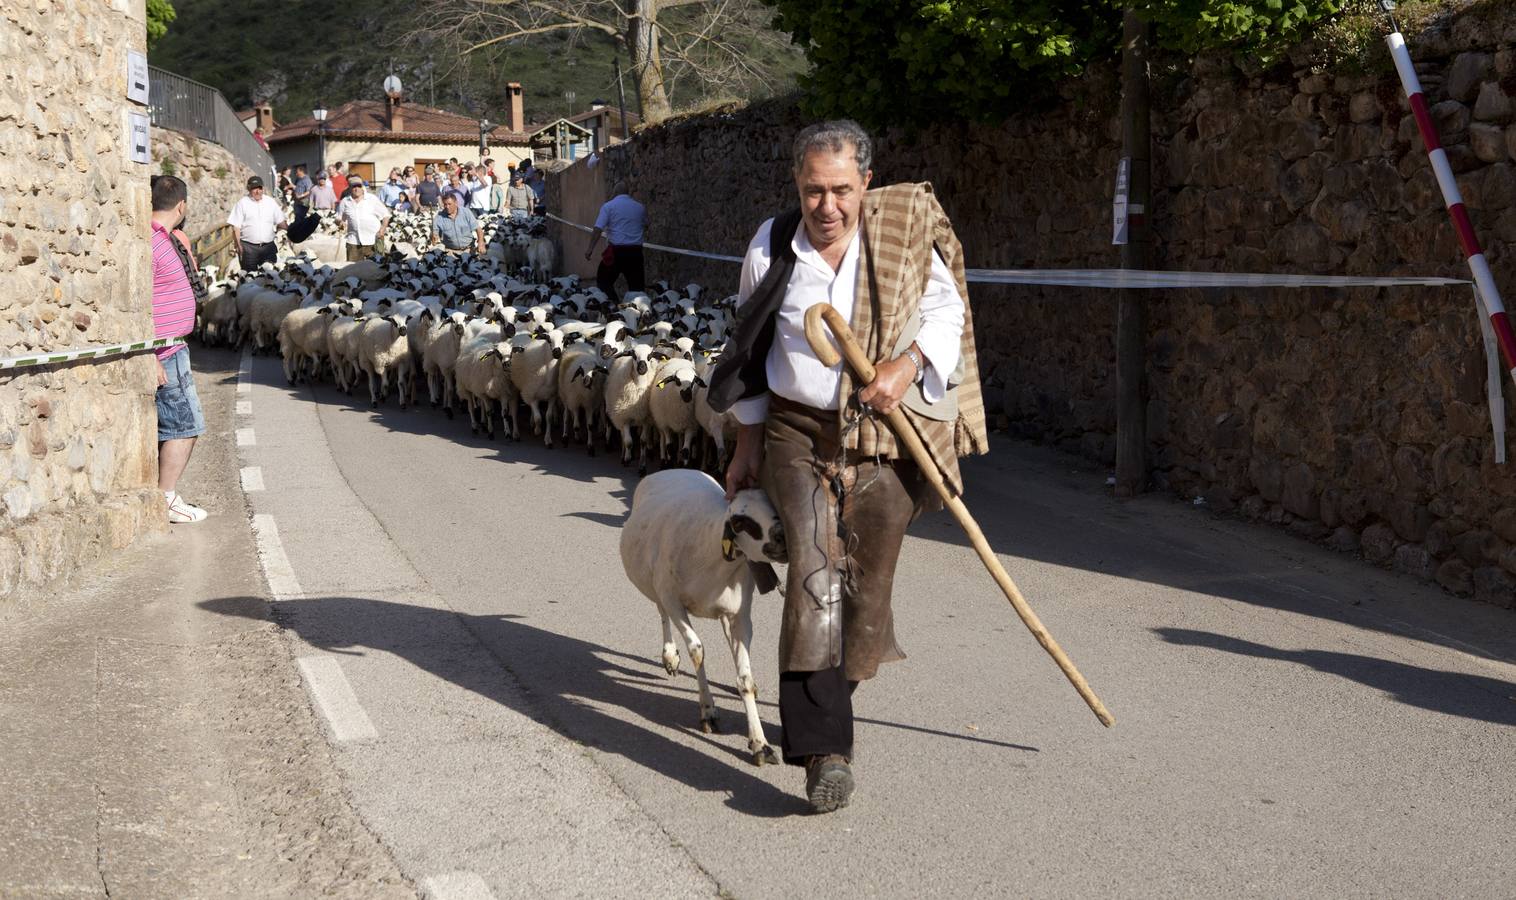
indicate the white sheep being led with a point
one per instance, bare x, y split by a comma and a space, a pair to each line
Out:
693, 554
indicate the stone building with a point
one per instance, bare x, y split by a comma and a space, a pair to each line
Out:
374, 136
78, 453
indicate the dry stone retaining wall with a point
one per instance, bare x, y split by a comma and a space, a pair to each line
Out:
1354, 417
78, 458
216, 178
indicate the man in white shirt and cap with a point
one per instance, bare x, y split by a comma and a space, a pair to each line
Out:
254, 219
365, 217
888, 261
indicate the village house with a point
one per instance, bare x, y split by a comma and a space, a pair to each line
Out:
374, 136
596, 128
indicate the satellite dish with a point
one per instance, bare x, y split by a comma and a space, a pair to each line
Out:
392, 87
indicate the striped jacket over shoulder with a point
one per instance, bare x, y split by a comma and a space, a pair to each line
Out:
900, 225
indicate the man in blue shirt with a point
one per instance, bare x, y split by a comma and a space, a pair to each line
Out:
622, 220
303, 188
390, 191
457, 227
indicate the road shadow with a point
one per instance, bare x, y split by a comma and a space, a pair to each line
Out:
432, 640
577, 680
1454, 693
1050, 507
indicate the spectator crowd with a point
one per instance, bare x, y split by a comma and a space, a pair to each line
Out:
480, 187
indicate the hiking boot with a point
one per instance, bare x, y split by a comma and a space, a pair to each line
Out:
181, 511
828, 782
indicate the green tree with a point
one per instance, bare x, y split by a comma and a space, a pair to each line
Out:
159, 14
915, 61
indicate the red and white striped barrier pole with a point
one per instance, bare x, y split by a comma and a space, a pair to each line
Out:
1483, 279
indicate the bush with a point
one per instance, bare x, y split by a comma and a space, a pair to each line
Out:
166, 167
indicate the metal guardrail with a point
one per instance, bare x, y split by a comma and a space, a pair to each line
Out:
184, 105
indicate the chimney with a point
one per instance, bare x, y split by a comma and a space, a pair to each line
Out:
265, 117
397, 120
517, 121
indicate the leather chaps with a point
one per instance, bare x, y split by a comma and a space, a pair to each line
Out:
841, 569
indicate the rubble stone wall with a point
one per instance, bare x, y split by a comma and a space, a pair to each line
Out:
78, 454
1355, 417
215, 178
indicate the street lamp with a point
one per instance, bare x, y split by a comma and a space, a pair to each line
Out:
319, 114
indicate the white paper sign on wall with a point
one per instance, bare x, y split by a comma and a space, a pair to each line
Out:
1119, 207
136, 76
138, 137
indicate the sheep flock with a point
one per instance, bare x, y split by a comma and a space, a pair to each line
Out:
520, 351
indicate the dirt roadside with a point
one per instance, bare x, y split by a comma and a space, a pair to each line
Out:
153, 749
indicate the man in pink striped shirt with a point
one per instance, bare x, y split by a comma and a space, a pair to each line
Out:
180, 419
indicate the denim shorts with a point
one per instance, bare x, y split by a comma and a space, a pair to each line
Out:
179, 414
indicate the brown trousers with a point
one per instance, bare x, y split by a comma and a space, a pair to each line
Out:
840, 571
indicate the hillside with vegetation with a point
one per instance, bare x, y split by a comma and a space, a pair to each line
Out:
298, 54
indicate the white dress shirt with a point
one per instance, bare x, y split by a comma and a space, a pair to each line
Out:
256, 221
794, 372
363, 218
479, 200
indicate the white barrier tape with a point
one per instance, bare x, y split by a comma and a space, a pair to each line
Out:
63, 356
682, 252
1146, 278
1133, 278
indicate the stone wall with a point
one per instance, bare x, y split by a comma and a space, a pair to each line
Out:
216, 178
78, 449
1355, 417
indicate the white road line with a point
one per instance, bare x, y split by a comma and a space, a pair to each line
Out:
456, 886
252, 479
335, 699
244, 407
246, 438
245, 373
276, 566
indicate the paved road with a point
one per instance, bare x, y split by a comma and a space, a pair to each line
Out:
1289, 722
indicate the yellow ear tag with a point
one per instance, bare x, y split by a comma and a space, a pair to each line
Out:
728, 550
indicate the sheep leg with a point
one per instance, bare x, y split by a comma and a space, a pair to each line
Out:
739, 634
547, 424
447, 392
487, 406
373, 389
431, 383
697, 659
468, 405
670, 649
642, 437
626, 445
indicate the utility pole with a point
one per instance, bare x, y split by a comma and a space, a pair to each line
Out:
1131, 414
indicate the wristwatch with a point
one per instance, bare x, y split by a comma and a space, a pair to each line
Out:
915, 359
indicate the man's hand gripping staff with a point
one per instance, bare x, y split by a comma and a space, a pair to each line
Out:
815, 334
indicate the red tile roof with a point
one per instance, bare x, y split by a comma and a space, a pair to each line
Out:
369, 120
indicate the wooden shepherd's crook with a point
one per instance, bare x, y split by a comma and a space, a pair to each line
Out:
864, 369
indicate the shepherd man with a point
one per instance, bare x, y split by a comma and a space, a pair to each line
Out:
817, 443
